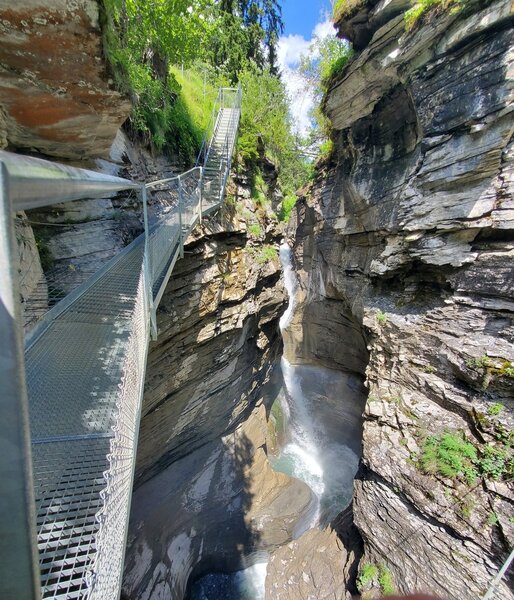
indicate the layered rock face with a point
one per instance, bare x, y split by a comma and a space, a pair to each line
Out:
404, 252
206, 498
55, 94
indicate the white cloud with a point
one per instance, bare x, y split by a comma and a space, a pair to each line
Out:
324, 29
290, 49
289, 52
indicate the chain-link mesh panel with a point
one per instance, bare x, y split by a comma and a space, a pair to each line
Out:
105, 576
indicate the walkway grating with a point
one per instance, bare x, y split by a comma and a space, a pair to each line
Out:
85, 373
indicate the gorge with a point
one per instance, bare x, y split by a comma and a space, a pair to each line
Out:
329, 404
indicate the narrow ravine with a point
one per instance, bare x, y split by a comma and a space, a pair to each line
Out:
323, 425
320, 445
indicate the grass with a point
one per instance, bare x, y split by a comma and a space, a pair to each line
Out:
381, 316
266, 254
495, 409
371, 576
255, 230
199, 104
449, 455
368, 575
414, 14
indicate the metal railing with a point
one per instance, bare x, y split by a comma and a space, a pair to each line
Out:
77, 387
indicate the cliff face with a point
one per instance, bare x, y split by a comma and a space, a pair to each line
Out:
55, 93
404, 251
206, 497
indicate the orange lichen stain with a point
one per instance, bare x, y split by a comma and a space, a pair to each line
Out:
43, 110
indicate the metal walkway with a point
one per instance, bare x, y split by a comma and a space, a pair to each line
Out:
85, 368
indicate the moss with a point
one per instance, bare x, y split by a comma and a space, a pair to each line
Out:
414, 14
344, 8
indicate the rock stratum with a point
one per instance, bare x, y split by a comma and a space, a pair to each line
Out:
404, 250
56, 96
206, 498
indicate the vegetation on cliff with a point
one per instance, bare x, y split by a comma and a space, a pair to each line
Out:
171, 57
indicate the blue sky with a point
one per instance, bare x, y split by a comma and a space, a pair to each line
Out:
300, 16
303, 19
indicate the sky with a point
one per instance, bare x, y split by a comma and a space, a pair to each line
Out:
303, 19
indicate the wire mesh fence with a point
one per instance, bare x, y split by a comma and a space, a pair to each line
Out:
85, 362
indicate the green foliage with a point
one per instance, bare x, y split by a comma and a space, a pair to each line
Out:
326, 148
266, 126
344, 8
414, 14
479, 363
450, 455
325, 58
286, 209
492, 519
255, 230
385, 579
259, 189
372, 576
247, 32
381, 316
266, 253
495, 409
368, 575
496, 462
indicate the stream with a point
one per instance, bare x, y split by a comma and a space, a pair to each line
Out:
321, 445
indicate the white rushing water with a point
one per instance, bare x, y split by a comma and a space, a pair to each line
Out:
321, 455
289, 282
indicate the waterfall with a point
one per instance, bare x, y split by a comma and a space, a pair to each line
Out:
323, 431
289, 282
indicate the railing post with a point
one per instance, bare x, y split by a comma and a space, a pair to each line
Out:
19, 572
180, 217
147, 266
200, 197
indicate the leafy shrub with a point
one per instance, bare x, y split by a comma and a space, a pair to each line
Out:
286, 209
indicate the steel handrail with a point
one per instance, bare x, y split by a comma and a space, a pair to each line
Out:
34, 182
174, 178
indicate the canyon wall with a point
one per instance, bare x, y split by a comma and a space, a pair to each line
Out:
206, 497
404, 250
